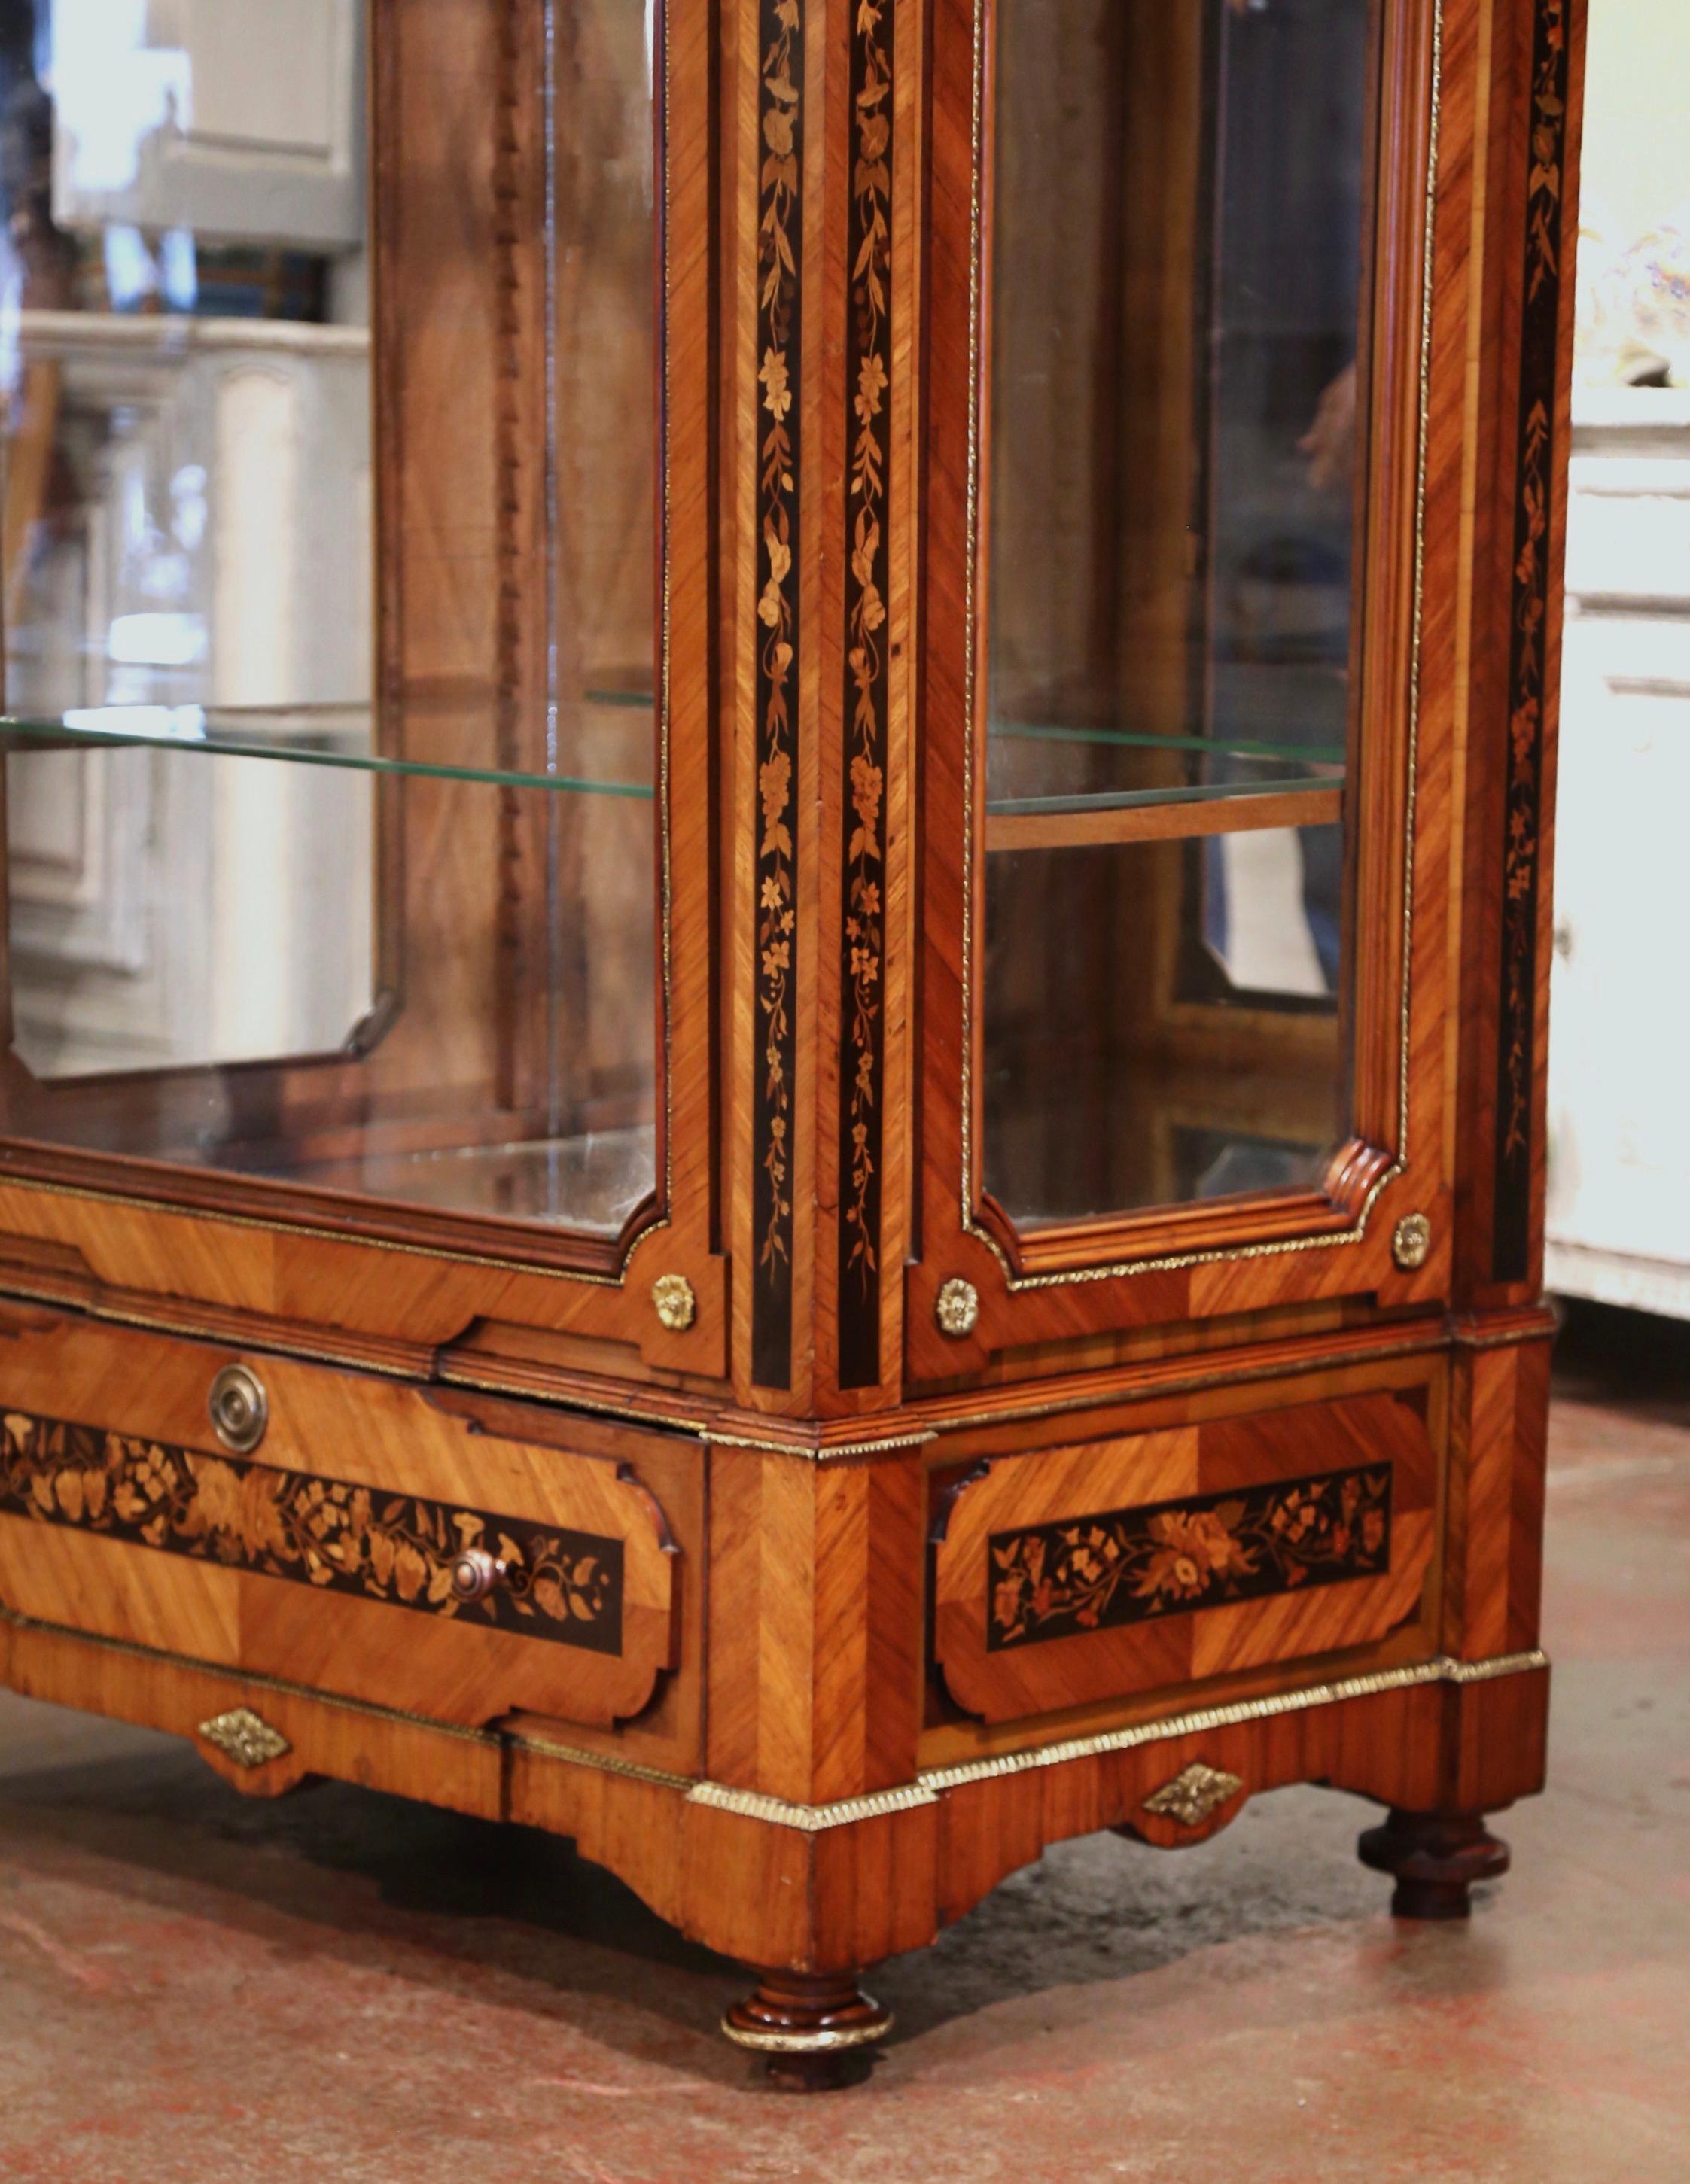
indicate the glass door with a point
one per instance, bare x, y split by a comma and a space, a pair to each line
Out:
331, 554
1175, 469
1195, 437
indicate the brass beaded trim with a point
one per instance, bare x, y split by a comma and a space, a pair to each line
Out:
811, 1820
827, 1452
928, 1787
1443, 1670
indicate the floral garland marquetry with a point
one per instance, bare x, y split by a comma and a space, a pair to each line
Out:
780, 244
1528, 666
1130, 1566
562, 1585
868, 362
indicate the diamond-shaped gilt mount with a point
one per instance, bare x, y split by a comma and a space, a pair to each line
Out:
1192, 1796
246, 1738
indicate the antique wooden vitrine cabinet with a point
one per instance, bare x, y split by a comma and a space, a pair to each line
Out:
778, 807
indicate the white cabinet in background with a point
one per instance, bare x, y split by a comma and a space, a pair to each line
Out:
239, 121
211, 557
1618, 1206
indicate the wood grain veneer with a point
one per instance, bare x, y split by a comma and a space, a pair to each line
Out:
810, 1747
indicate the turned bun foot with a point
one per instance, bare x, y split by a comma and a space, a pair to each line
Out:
815, 2031
1435, 1857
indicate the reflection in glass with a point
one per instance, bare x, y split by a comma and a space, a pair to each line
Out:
1178, 288
185, 361
435, 988
238, 930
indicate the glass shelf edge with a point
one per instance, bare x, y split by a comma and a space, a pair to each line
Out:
1247, 747
1028, 807
189, 729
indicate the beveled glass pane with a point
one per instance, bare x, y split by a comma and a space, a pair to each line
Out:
450, 895
1177, 294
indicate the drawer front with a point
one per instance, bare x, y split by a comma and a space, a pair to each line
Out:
324, 1554
1123, 1566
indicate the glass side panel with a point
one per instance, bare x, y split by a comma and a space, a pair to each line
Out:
1179, 284
418, 960
177, 918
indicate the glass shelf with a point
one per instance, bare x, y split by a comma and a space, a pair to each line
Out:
420, 990
1045, 772
1303, 752
335, 736
1133, 800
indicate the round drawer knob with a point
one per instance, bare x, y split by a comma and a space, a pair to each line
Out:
676, 1305
239, 1409
958, 1308
475, 1573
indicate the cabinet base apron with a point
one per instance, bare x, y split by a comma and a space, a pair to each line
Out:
1434, 1742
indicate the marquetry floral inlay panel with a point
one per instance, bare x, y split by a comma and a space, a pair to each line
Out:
779, 356
869, 362
558, 1585
1128, 1566
1528, 663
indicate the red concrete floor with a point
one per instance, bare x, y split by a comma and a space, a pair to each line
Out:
341, 1986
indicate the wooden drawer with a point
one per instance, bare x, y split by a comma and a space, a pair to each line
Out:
323, 1555
1219, 1545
